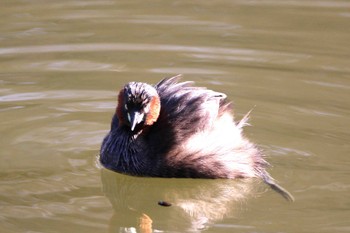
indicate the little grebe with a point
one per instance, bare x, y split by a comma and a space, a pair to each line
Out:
174, 129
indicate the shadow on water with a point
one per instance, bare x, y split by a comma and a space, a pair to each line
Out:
196, 204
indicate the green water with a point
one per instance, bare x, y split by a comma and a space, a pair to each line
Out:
62, 63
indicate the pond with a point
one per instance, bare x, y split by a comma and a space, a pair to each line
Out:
63, 62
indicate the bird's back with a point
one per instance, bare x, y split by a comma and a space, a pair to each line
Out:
188, 109
196, 136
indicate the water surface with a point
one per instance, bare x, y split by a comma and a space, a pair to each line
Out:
62, 63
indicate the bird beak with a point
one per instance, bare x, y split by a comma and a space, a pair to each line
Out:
135, 118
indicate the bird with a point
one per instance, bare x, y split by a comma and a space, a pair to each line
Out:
174, 129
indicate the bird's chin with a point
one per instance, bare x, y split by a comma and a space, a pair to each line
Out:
136, 132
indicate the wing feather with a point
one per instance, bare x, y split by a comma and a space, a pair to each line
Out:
187, 108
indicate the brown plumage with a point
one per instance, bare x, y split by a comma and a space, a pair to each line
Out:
174, 129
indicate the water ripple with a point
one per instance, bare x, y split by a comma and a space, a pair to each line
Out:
94, 47
61, 94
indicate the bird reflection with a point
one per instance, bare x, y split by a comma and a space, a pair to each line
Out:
191, 204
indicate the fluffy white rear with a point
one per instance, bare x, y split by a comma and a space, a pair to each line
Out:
224, 139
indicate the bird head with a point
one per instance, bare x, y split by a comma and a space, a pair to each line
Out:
138, 105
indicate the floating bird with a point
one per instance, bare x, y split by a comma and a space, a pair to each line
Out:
174, 129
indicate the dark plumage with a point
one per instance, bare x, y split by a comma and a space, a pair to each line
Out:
174, 129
